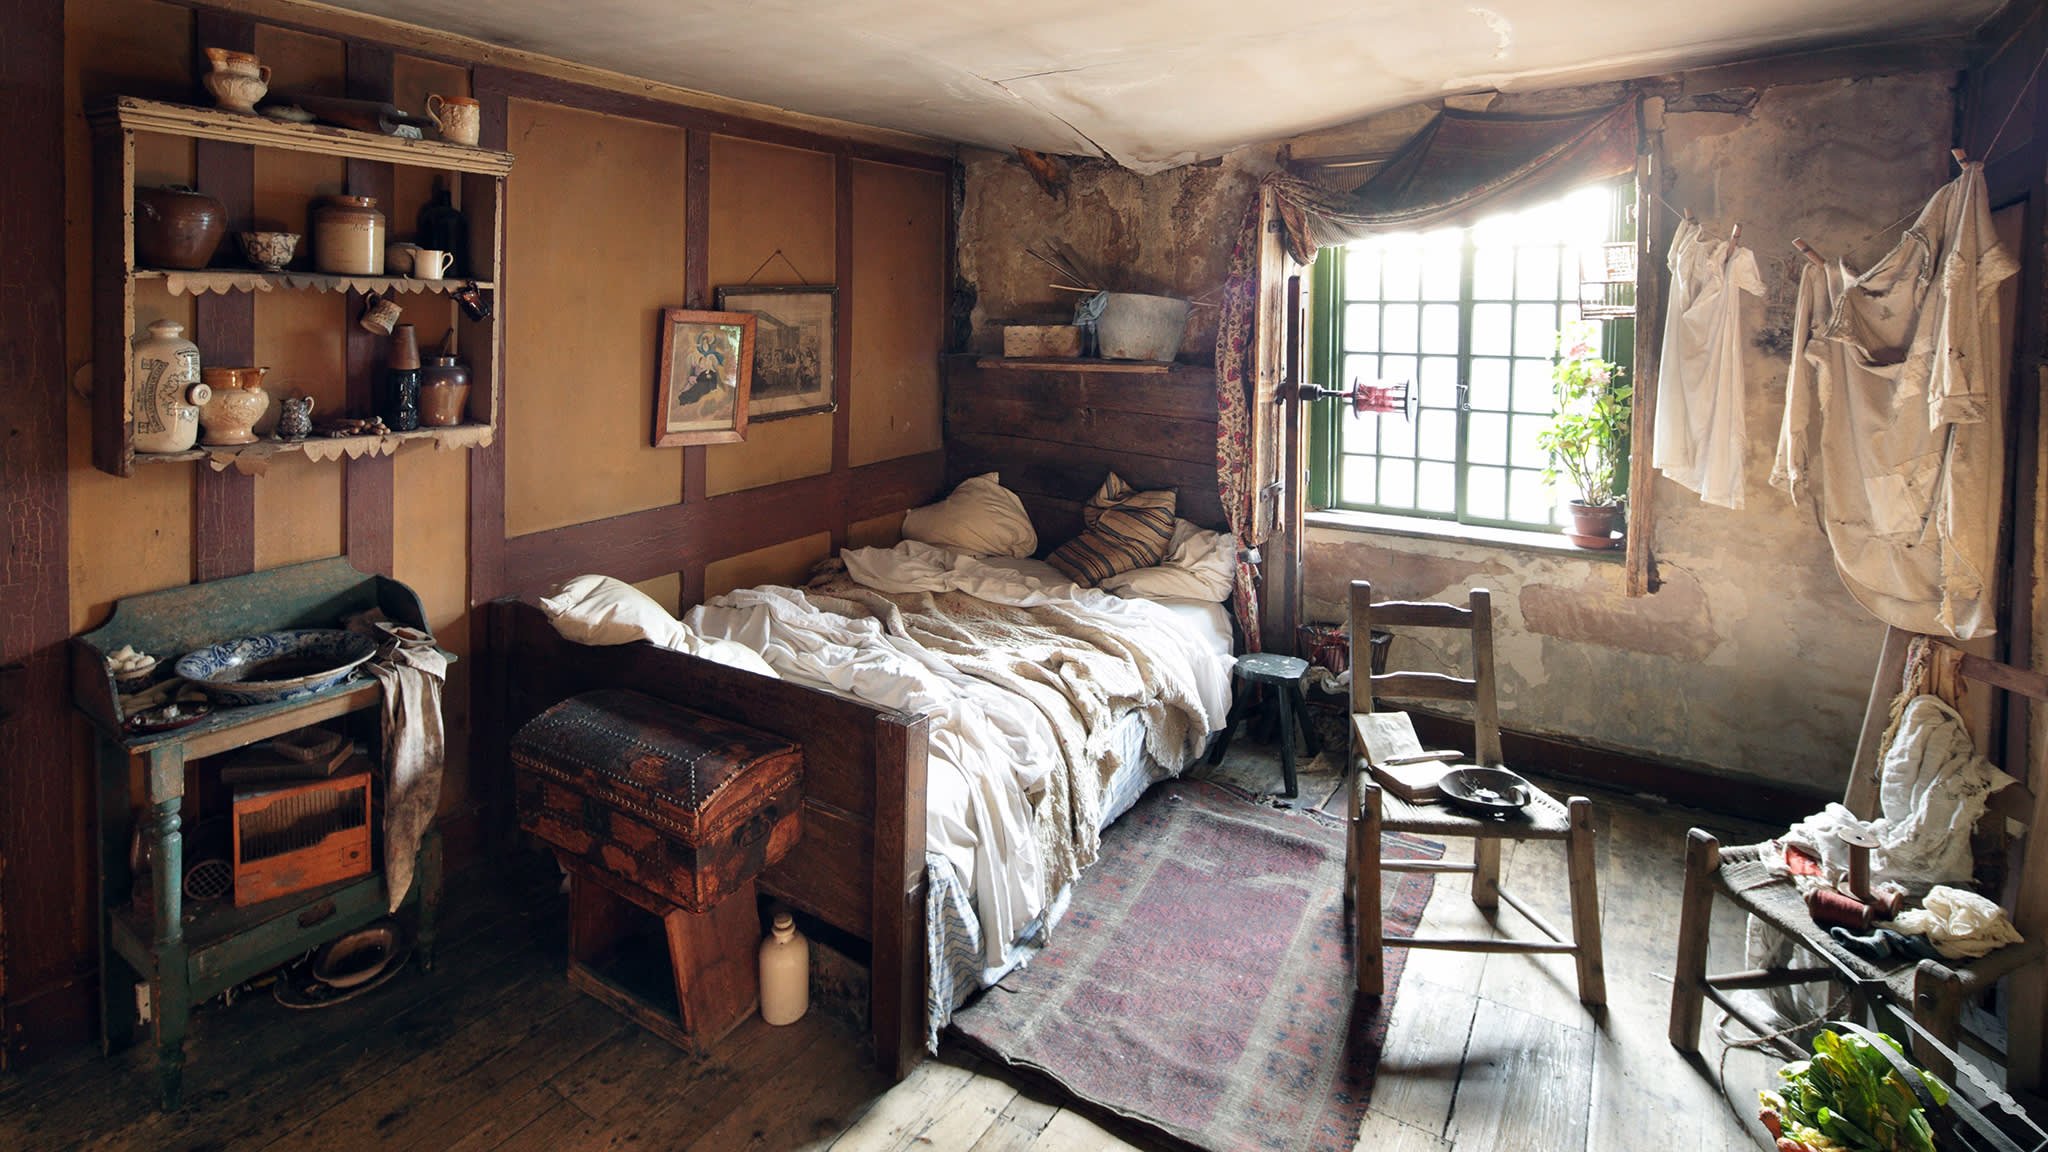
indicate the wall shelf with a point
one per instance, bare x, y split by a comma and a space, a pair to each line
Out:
480, 174
198, 282
1083, 364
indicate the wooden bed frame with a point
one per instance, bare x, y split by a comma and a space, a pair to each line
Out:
860, 864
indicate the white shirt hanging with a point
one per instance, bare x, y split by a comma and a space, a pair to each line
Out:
1700, 435
1894, 417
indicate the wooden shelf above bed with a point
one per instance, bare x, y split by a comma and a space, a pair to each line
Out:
1078, 365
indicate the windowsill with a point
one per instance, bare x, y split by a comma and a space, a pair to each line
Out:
1478, 536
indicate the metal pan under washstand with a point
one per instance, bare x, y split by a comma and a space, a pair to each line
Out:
275, 666
1492, 792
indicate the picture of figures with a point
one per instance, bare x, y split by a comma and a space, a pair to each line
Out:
706, 371
794, 347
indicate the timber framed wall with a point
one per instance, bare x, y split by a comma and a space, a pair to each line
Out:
568, 486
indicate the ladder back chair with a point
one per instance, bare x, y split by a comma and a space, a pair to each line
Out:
1933, 992
1375, 810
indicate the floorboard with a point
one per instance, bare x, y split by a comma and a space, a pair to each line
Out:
494, 1052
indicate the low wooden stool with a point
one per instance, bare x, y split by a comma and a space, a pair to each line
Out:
1284, 705
655, 807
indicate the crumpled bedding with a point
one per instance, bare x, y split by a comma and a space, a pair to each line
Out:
994, 750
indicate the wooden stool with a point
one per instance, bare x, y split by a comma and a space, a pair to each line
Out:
1284, 705
654, 807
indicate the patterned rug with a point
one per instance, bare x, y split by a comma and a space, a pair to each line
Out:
1201, 981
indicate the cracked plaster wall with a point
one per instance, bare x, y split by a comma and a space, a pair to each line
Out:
1751, 659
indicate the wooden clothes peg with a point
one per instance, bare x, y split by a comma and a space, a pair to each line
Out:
1962, 157
1806, 250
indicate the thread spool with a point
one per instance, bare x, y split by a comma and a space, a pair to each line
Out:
1829, 907
1860, 842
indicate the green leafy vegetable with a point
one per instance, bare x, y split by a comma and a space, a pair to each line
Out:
1849, 1096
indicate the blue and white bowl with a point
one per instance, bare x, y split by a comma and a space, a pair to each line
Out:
275, 666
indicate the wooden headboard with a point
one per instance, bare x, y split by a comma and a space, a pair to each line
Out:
1055, 428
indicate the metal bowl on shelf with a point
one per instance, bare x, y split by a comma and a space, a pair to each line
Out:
275, 666
1493, 792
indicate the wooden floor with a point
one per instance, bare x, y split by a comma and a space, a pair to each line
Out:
493, 1049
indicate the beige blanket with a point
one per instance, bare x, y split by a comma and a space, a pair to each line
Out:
1082, 677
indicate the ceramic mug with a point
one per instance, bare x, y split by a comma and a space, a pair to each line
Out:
382, 314
431, 263
460, 119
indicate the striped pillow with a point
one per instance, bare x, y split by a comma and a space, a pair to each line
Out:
1125, 530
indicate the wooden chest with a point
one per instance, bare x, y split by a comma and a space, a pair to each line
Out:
682, 805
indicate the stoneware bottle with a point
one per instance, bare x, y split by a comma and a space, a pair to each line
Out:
167, 389
785, 973
401, 407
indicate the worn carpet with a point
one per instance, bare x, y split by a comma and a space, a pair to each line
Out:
1201, 981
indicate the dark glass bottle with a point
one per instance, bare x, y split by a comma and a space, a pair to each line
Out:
401, 408
443, 228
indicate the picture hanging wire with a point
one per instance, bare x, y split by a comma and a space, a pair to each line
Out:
787, 262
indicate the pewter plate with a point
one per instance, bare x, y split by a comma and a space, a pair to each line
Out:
1485, 791
275, 666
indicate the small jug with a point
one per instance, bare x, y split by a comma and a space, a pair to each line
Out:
295, 417
785, 973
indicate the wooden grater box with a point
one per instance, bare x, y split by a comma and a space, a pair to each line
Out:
293, 838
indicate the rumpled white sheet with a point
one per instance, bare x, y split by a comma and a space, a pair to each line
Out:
1932, 789
990, 750
1961, 925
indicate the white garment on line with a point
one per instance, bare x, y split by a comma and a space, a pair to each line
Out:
1701, 438
1894, 417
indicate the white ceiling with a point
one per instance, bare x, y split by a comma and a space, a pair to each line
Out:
1152, 83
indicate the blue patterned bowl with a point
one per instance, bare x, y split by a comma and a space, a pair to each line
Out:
275, 665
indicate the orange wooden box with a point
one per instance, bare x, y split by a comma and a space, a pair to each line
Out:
294, 838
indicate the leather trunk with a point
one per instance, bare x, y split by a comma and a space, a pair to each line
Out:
683, 805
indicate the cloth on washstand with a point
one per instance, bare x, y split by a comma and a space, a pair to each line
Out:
1701, 439
1893, 422
411, 670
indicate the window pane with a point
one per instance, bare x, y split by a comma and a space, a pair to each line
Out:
1440, 329
1536, 274
1398, 332
1535, 330
1360, 368
1439, 382
1437, 488
1490, 329
1356, 481
1486, 493
1529, 498
1486, 438
1532, 387
1524, 451
1397, 370
1362, 271
1403, 270
1436, 434
1489, 380
1397, 435
1443, 265
1361, 328
1397, 483
1493, 274
1357, 434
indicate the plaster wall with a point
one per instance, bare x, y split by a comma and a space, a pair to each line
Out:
1751, 660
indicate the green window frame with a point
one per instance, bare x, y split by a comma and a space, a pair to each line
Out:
1469, 318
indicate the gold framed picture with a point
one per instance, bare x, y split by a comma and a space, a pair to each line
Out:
795, 347
700, 393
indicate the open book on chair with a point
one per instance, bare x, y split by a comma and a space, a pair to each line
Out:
1396, 758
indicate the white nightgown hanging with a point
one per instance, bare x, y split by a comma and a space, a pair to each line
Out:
1894, 417
1700, 436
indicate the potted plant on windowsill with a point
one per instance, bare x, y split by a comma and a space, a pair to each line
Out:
1585, 439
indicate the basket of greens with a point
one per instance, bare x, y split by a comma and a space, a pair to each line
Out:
1858, 1093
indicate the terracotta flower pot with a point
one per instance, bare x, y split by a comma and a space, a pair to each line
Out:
1597, 526
177, 227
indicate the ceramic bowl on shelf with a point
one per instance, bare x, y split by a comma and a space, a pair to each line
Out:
270, 251
274, 666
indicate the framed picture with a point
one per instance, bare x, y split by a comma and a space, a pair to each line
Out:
795, 345
700, 395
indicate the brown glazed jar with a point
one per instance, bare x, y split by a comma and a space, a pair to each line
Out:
444, 390
177, 227
348, 236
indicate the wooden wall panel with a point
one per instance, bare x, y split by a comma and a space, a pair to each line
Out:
786, 563
667, 590
766, 199
898, 310
876, 531
430, 552
595, 220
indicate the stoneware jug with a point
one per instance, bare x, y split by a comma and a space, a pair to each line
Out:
785, 973
167, 389
294, 417
238, 401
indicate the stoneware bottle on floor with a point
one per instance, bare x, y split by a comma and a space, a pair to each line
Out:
785, 973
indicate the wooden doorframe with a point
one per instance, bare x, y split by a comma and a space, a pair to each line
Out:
43, 998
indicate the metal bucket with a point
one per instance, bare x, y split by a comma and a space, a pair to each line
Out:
1134, 327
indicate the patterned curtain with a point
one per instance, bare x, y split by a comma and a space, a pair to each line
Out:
1459, 167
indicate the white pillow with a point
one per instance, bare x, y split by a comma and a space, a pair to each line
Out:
981, 518
1199, 565
601, 610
